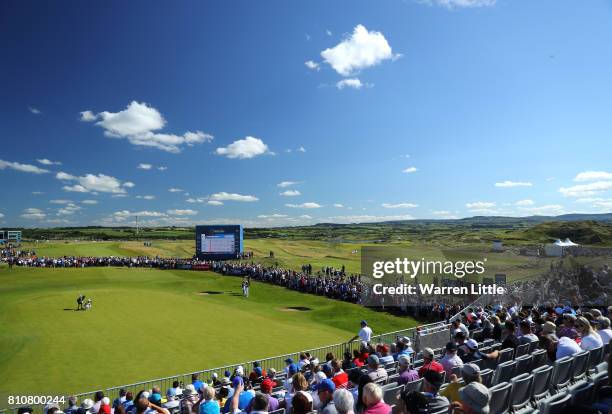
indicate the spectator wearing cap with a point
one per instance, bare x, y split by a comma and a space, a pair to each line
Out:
172, 401
549, 339
364, 334
470, 373
527, 336
257, 374
473, 354
383, 354
197, 383
325, 391
105, 407
429, 364
406, 372
208, 404
339, 377
288, 363
266, 387
590, 337
376, 373
119, 400
566, 347
72, 407
510, 340
373, 400
604, 330
344, 401
475, 399
402, 348
292, 370
87, 405
451, 359
190, 399
245, 397
431, 385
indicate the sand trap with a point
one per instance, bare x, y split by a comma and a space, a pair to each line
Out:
210, 292
296, 309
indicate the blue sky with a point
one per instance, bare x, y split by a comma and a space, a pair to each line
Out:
367, 111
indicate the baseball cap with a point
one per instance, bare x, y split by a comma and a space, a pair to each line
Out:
471, 343
373, 360
171, 393
215, 375
471, 370
428, 353
267, 385
326, 385
434, 378
87, 404
227, 373
189, 389
476, 396
237, 381
549, 327
289, 361
239, 370
363, 322
225, 381
451, 346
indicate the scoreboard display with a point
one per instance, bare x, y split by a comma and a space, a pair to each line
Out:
218, 242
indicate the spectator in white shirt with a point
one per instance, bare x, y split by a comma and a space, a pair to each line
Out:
590, 337
566, 347
451, 359
364, 335
604, 330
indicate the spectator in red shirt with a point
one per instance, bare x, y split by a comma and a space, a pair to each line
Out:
339, 377
429, 364
357, 360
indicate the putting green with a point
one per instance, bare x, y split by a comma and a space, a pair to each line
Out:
148, 323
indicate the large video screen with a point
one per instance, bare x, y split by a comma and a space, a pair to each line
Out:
218, 242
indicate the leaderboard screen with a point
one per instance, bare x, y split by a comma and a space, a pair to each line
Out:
218, 242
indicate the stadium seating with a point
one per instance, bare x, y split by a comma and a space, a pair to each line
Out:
555, 404
390, 394
581, 365
541, 382
505, 355
521, 350
523, 364
500, 398
539, 358
414, 385
582, 393
562, 373
520, 395
504, 372
487, 376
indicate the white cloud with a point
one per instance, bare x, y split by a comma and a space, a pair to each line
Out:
524, 203
45, 161
290, 193
214, 203
312, 65
128, 184
33, 214
480, 205
547, 210
223, 196
586, 190
451, 4
137, 124
146, 197
143, 166
301, 149
328, 32
1, 215
185, 212
92, 183
593, 176
509, 184
304, 205
338, 205
444, 214
361, 50
162, 168
410, 170
285, 184
37, 192
89, 202
400, 205
68, 210
368, 218
60, 201
35, 111
175, 190
272, 216
249, 147
349, 83
28, 168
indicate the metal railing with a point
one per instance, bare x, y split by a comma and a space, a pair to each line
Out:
276, 362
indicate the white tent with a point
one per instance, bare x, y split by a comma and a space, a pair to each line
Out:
558, 247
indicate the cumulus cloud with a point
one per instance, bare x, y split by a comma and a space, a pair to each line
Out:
481, 207
28, 168
353, 83
272, 216
146, 197
362, 49
138, 124
223, 196
45, 161
525, 203
35, 111
90, 183
338, 205
312, 65
444, 214
89, 202
60, 201
290, 193
249, 147
128, 184
33, 214
162, 168
143, 166
368, 218
285, 184
304, 205
175, 190
400, 205
593, 176
586, 190
214, 203
185, 212
68, 210
510, 184
301, 149
410, 170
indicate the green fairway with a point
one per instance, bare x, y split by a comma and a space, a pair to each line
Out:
148, 323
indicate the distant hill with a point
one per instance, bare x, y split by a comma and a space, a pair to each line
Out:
582, 232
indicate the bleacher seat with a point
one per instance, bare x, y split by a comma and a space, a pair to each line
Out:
414, 385
562, 373
457, 372
555, 404
602, 367
598, 380
504, 372
582, 393
523, 364
540, 358
279, 411
390, 394
520, 396
392, 378
496, 346
533, 346
478, 362
389, 385
595, 357
581, 365
487, 376
505, 355
521, 350
500, 398
541, 382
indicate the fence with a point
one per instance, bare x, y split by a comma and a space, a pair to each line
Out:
277, 362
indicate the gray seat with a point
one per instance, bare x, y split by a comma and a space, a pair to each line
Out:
555, 404
521, 350
500, 398
504, 372
505, 355
602, 367
414, 385
487, 376
533, 346
457, 372
595, 357
562, 373
581, 365
523, 364
478, 362
521, 391
598, 380
541, 382
582, 393
393, 379
389, 384
540, 357
390, 394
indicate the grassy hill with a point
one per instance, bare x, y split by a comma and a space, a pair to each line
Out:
582, 232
